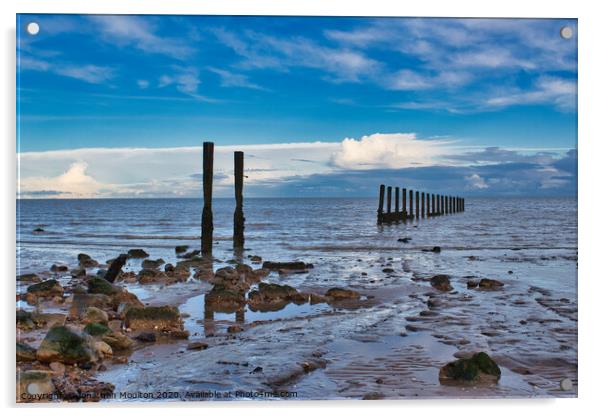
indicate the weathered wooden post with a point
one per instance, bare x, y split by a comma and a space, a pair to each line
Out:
411, 203
404, 212
389, 199
417, 205
462, 204
446, 204
422, 204
239, 218
381, 202
438, 204
207, 217
428, 205
397, 200
455, 205
432, 204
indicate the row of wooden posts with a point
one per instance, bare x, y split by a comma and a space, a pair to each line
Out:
207, 216
426, 204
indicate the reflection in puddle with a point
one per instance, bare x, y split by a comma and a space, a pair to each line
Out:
202, 321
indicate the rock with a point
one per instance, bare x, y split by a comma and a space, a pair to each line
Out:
25, 320
137, 253
191, 254
338, 293
25, 352
441, 282
116, 266
157, 318
255, 259
95, 315
49, 319
147, 337
59, 268
38, 230
288, 265
146, 276
57, 368
85, 261
233, 329
315, 299
471, 284
81, 302
67, 346
123, 300
181, 249
152, 264
98, 285
118, 341
490, 284
103, 349
404, 240
271, 296
221, 299
197, 345
34, 386
78, 273
388, 270
96, 329
169, 268
46, 289
435, 249
479, 369
29, 277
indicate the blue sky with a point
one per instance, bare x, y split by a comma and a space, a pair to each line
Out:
119, 105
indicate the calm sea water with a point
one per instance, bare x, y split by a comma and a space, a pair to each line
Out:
280, 228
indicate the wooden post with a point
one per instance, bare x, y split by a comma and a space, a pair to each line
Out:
446, 204
411, 203
239, 218
381, 202
417, 205
207, 218
422, 204
428, 205
404, 212
439, 205
462, 204
432, 204
388, 199
397, 199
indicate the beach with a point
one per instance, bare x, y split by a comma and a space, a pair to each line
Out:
386, 334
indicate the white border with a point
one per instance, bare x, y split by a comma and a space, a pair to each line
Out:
590, 154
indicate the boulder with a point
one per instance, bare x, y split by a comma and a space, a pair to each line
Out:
338, 293
490, 284
255, 259
471, 284
197, 345
157, 318
46, 289
65, 345
222, 299
59, 268
137, 253
96, 329
270, 293
82, 301
99, 285
441, 282
169, 268
34, 386
152, 264
103, 349
95, 315
478, 369
25, 321
29, 277
118, 341
25, 352
85, 261
181, 249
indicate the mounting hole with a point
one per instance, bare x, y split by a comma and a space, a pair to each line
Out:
566, 384
566, 32
33, 28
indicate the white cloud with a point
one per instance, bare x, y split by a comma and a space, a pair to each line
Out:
142, 84
73, 183
476, 182
231, 79
93, 74
397, 150
561, 92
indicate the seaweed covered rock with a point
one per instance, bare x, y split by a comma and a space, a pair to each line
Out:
152, 264
29, 277
271, 296
82, 301
95, 315
478, 369
118, 341
46, 289
25, 352
441, 282
157, 318
99, 285
25, 321
59, 268
96, 329
223, 299
137, 253
338, 293
85, 261
287, 265
65, 345
490, 284
34, 386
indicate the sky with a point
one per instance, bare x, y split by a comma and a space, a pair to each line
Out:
119, 105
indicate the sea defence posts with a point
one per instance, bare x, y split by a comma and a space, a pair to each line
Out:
421, 205
207, 216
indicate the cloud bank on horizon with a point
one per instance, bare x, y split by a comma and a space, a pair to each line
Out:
113, 106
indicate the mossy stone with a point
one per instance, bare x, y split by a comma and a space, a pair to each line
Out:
96, 329
45, 286
63, 344
100, 285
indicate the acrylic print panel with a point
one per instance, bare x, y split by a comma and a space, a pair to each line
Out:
294, 208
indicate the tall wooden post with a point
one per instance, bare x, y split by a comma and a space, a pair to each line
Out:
388, 199
239, 218
422, 204
411, 203
428, 205
404, 212
381, 203
439, 204
417, 205
446, 204
433, 204
207, 218
397, 199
